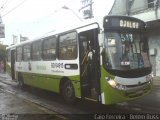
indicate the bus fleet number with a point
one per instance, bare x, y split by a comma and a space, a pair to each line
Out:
57, 65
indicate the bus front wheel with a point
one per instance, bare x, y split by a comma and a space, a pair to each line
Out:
68, 92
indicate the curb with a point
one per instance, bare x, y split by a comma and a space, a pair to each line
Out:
5, 78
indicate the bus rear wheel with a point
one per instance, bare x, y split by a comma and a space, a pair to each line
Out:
68, 92
20, 82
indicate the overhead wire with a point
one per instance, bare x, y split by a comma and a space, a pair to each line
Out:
14, 8
4, 4
57, 10
18, 5
2, 8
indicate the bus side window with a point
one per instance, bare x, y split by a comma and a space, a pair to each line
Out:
19, 54
36, 50
49, 49
26, 52
68, 46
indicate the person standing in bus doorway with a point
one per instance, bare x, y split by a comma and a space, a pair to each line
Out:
92, 68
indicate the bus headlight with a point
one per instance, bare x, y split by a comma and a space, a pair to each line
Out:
112, 83
149, 78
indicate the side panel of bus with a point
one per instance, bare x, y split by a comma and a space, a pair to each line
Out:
47, 66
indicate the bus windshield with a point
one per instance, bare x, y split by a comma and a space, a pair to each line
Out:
125, 51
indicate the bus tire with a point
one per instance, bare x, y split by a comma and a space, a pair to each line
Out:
68, 92
20, 81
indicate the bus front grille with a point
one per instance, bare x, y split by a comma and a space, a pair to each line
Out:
138, 92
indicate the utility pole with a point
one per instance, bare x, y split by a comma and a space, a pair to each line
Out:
156, 5
15, 39
87, 9
2, 28
129, 4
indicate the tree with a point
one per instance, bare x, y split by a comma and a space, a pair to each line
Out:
3, 55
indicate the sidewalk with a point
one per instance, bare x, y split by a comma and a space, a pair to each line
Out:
6, 78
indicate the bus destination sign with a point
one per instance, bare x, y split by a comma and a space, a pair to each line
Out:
123, 22
129, 24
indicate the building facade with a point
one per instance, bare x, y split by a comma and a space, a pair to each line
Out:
148, 11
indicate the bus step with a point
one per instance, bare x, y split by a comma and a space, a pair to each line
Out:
91, 99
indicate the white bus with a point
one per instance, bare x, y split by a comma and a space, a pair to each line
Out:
107, 63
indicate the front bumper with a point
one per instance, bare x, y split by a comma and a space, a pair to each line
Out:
134, 91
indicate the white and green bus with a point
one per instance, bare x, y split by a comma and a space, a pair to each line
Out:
107, 62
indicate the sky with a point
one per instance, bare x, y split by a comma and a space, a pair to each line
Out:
35, 18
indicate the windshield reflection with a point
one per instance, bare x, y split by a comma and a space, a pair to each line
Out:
125, 51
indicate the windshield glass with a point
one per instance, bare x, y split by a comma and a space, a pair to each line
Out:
125, 51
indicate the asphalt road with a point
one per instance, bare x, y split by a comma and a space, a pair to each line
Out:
46, 102
14, 107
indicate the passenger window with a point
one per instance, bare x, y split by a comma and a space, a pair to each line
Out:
19, 54
27, 52
49, 49
68, 46
36, 50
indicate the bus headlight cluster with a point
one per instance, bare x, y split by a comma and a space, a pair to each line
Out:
114, 84
149, 78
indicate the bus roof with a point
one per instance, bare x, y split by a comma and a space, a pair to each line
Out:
82, 25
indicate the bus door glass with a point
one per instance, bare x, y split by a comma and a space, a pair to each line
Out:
89, 63
84, 65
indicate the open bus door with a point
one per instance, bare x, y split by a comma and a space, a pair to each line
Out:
13, 64
89, 64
